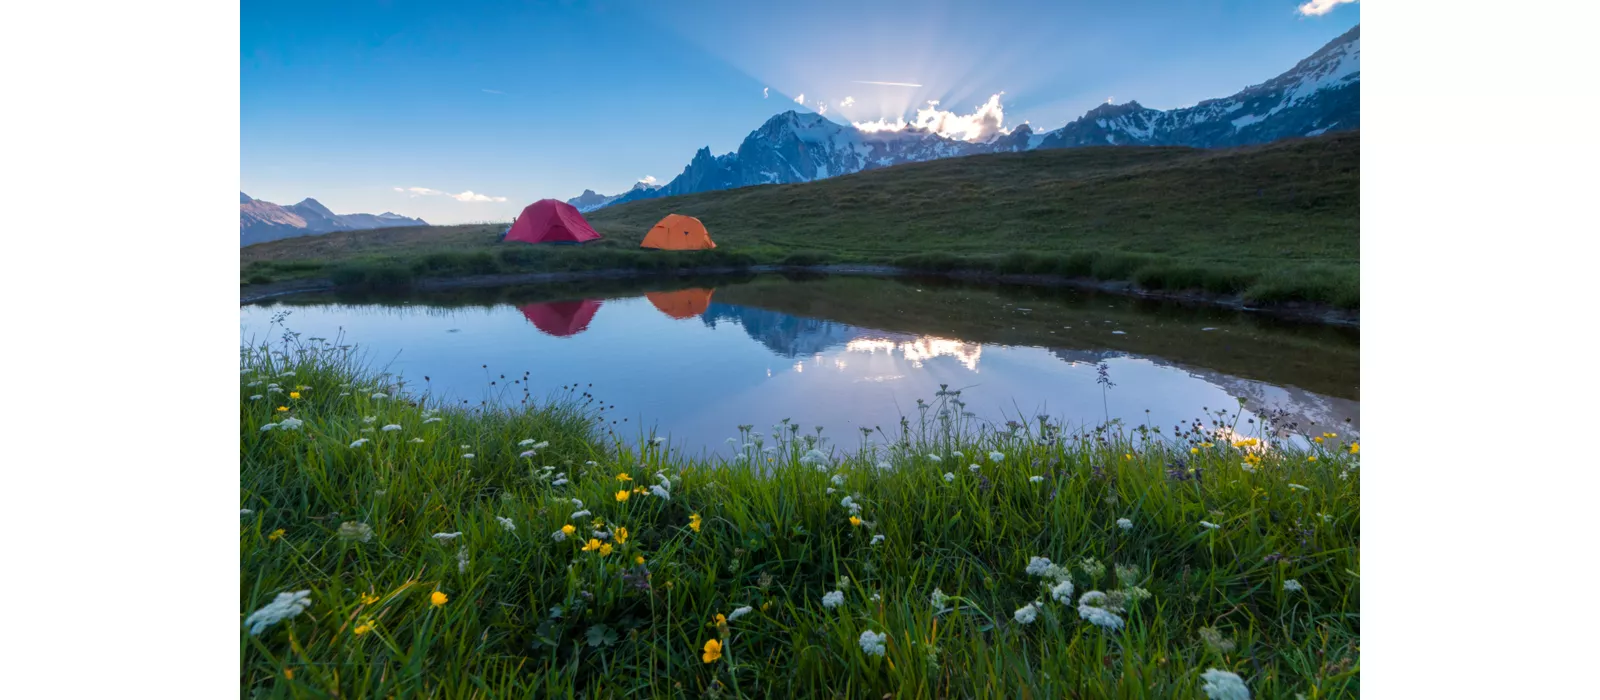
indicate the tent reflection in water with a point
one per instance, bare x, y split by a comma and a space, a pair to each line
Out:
678, 232
682, 304
561, 318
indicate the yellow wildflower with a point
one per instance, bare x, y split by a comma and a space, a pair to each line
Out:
1355, 448
1127, 455
282, 408
294, 394
713, 651
1316, 439
1207, 445
639, 490
288, 673
568, 530
722, 620
276, 535
1194, 450
591, 545
622, 535
622, 496
694, 522
1330, 435
438, 599
766, 605
365, 627
368, 599
855, 521
639, 560
624, 477
1312, 458
605, 549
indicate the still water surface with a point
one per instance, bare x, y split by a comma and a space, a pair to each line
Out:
841, 353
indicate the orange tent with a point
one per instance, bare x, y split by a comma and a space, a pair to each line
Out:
678, 232
682, 304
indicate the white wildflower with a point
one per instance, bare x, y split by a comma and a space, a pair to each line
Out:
1127, 575
1222, 685
877, 539
416, 440
657, 441
255, 397
1038, 566
1246, 466
591, 463
560, 481
1092, 607
948, 477
469, 455
935, 459
380, 395
245, 511
434, 419
833, 599
1125, 523
830, 490
957, 454
1291, 586
343, 394
877, 597
1209, 525
466, 447
283, 607
838, 480
1036, 479
580, 514
369, 420
884, 464
996, 457
291, 424
526, 442
741, 612
462, 560
851, 505
660, 491
1062, 592
813, 458
1298, 487
600, 534
974, 468
1026, 614
940, 601
366, 430
506, 523
528, 454
274, 390
351, 531
872, 643
559, 535
359, 442
391, 427
577, 504
269, 426
445, 536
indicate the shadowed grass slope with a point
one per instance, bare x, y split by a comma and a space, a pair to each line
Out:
1277, 223
515, 554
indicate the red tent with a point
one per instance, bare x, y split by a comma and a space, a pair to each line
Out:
551, 221
562, 318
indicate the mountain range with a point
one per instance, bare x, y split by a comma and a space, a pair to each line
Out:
260, 220
1319, 94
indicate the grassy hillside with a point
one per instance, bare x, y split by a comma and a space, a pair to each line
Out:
1278, 222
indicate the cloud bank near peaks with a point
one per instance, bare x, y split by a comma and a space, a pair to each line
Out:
467, 196
986, 121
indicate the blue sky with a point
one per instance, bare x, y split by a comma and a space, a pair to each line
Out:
487, 106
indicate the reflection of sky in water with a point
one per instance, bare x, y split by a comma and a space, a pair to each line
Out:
699, 378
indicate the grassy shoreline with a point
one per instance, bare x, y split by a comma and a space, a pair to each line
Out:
1275, 224
348, 509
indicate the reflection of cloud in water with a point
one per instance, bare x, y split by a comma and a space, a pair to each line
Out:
917, 350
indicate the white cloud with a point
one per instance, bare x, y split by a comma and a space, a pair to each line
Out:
764, 93
847, 101
648, 179
879, 82
801, 99
985, 121
468, 196
822, 108
1111, 100
1318, 8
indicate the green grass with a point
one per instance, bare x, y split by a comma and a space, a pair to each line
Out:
1277, 223
774, 537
